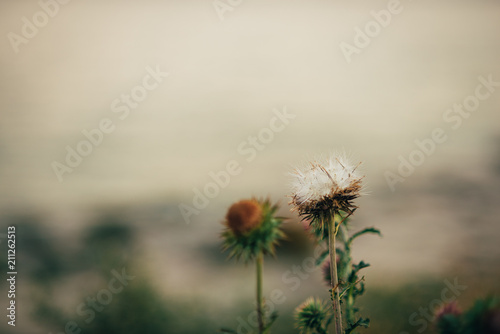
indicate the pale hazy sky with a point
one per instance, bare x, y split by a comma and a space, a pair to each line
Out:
225, 78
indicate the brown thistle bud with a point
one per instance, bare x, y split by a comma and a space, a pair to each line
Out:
244, 216
251, 229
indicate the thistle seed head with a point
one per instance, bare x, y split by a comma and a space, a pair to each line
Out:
323, 188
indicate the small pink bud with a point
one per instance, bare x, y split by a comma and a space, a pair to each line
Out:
449, 308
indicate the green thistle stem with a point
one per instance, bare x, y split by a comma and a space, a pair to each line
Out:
260, 264
347, 264
349, 308
335, 280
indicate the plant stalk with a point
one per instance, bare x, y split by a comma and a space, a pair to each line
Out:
260, 316
345, 275
335, 281
346, 264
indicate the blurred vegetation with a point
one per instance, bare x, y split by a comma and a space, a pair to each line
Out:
138, 307
82, 267
108, 244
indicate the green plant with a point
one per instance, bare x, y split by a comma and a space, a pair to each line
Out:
483, 317
252, 231
323, 195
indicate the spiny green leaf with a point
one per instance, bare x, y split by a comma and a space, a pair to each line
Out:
272, 319
355, 269
322, 257
361, 322
372, 230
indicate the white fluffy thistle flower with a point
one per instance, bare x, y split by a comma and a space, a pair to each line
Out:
321, 189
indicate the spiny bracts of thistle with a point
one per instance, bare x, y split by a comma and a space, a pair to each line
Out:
312, 316
252, 228
324, 188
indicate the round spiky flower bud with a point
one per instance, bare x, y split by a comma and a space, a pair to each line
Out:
244, 216
312, 316
324, 188
252, 228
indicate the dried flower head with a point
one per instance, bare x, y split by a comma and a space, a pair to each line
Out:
322, 189
252, 228
244, 216
312, 316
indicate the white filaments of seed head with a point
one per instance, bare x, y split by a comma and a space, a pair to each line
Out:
319, 180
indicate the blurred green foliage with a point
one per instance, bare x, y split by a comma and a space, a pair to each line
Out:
111, 243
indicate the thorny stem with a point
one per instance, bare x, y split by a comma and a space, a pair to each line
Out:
333, 272
259, 263
349, 307
345, 275
347, 267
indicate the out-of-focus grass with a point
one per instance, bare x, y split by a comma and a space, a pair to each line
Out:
142, 308
390, 309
